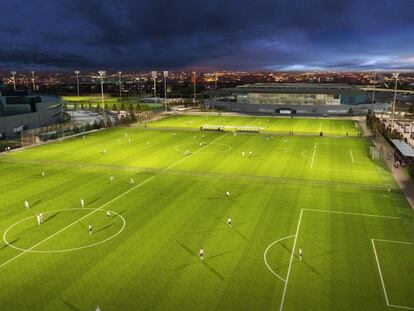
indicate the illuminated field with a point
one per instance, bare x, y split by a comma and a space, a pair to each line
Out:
322, 194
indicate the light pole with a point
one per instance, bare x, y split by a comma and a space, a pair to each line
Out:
33, 81
215, 80
165, 73
394, 75
14, 79
120, 83
373, 91
194, 85
102, 74
154, 77
77, 81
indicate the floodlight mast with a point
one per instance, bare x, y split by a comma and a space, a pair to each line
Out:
394, 75
165, 73
154, 77
120, 83
194, 84
102, 73
33, 81
77, 81
373, 90
14, 79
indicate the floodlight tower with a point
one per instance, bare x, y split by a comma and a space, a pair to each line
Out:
215, 80
33, 81
14, 79
165, 74
394, 75
154, 77
77, 80
102, 74
120, 83
194, 84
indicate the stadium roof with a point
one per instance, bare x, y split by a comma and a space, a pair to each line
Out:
405, 149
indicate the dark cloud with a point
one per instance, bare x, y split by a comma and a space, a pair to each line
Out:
177, 34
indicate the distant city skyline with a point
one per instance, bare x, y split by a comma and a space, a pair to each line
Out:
263, 35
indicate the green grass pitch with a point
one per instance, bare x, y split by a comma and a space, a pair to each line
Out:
321, 194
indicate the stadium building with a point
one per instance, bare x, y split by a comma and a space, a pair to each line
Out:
297, 98
20, 110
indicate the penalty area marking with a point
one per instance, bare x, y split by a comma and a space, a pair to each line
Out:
265, 256
68, 249
228, 147
313, 156
380, 272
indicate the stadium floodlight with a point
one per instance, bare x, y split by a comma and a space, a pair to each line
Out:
394, 75
14, 79
154, 77
77, 80
194, 85
102, 73
165, 74
33, 81
120, 83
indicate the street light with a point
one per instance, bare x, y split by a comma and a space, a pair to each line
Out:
120, 82
194, 84
77, 81
154, 77
33, 81
14, 79
394, 75
165, 73
102, 74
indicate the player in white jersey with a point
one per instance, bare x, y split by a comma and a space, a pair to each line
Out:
300, 254
243, 154
108, 214
227, 194
26, 204
38, 219
201, 254
43, 174
90, 229
82, 202
111, 178
250, 153
229, 222
41, 217
131, 181
129, 141
97, 308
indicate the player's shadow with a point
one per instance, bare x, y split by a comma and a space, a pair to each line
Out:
104, 228
11, 242
222, 253
94, 200
36, 202
289, 250
312, 269
190, 251
239, 233
214, 271
69, 305
51, 217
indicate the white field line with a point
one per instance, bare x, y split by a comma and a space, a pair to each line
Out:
382, 278
265, 256
350, 213
313, 156
352, 156
290, 262
99, 208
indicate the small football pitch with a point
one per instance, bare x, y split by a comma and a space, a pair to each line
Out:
165, 187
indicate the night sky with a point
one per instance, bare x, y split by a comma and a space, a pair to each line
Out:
207, 35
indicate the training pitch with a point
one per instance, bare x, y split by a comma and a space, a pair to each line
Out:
324, 195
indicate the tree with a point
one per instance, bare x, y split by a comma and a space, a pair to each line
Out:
114, 108
95, 125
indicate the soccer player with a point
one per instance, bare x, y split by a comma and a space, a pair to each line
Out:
250, 153
243, 154
131, 181
389, 189
229, 221
97, 308
41, 217
227, 194
82, 202
90, 229
129, 141
26, 204
38, 219
300, 254
148, 142
126, 135
285, 141
174, 134
285, 149
83, 137
43, 174
111, 178
108, 214
201, 254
